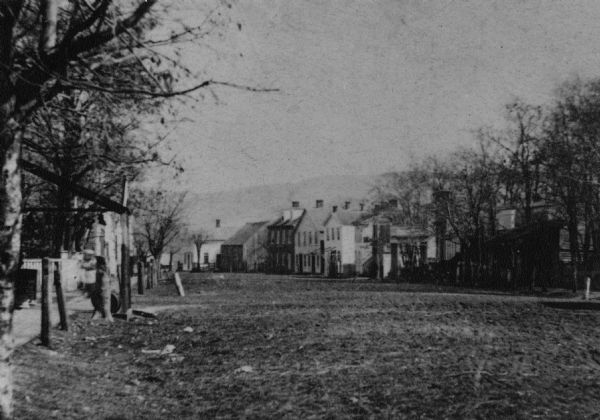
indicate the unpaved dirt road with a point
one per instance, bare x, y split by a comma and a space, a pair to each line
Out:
280, 347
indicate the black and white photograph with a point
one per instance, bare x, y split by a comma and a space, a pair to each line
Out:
299, 209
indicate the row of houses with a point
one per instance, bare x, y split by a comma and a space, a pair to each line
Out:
333, 241
346, 240
323, 241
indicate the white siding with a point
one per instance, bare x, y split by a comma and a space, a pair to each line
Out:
347, 244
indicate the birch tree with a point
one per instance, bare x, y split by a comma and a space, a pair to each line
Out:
49, 47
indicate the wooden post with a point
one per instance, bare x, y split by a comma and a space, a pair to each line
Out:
588, 284
179, 285
148, 273
153, 277
140, 276
45, 334
158, 275
125, 283
60, 299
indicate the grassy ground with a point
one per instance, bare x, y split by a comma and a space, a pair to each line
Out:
279, 347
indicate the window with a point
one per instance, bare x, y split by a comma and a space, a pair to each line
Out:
327, 232
310, 238
304, 237
206, 258
298, 238
338, 233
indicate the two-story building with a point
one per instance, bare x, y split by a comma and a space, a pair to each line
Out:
341, 242
310, 241
246, 250
281, 240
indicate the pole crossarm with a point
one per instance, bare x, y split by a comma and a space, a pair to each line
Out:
79, 190
64, 210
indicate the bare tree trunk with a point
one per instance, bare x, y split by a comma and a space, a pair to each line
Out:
10, 243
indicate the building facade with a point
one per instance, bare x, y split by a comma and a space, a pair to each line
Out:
310, 241
246, 250
340, 243
281, 241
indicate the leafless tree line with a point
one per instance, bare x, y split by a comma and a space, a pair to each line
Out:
544, 154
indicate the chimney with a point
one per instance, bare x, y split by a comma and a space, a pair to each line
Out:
334, 209
218, 223
319, 204
362, 206
295, 204
346, 205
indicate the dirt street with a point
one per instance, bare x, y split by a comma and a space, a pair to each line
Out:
257, 346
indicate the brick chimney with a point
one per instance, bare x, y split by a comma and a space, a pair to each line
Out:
334, 209
218, 223
295, 204
319, 204
346, 205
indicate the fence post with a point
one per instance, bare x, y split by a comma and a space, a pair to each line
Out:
149, 275
45, 334
140, 276
125, 283
588, 284
60, 299
178, 284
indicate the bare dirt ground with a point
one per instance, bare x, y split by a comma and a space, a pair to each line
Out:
282, 347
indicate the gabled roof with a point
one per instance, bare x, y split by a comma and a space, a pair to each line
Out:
220, 233
345, 217
316, 216
288, 222
245, 233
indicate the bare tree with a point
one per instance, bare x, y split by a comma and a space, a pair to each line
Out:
411, 190
199, 238
86, 139
570, 153
49, 47
518, 155
160, 218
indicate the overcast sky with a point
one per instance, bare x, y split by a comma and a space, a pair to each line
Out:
367, 86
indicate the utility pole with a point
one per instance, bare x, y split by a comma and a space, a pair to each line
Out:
125, 285
60, 299
45, 334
